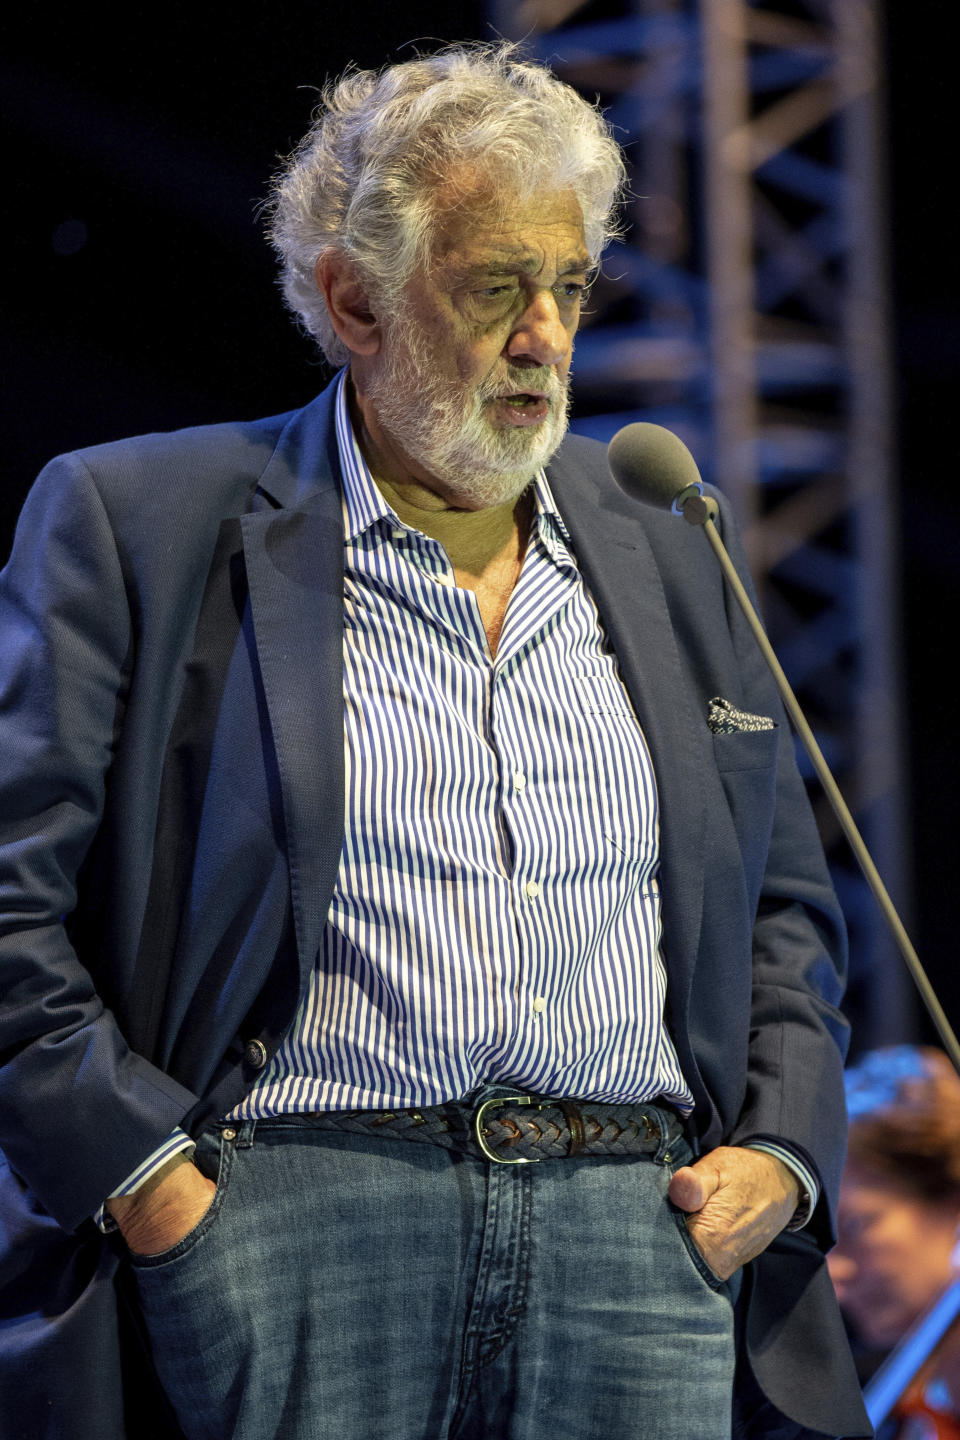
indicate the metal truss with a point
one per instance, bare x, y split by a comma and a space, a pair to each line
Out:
747, 309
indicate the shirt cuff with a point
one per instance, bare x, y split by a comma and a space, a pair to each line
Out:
806, 1177
173, 1145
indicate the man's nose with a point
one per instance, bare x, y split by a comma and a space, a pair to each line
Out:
540, 335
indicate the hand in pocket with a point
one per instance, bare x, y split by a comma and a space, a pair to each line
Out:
167, 1208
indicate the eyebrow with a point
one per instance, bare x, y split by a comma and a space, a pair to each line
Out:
525, 264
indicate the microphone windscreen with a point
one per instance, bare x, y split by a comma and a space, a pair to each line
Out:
651, 464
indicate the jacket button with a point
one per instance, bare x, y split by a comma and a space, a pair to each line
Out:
255, 1054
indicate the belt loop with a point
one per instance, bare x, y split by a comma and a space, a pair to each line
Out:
672, 1130
575, 1121
245, 1133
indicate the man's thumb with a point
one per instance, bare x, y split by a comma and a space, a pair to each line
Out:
693, 1185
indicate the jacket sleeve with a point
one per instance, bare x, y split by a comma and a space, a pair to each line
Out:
75, 1102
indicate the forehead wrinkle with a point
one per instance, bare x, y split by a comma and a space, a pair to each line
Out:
515, 238
523, 261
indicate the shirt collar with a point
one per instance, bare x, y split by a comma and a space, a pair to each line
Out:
364, 505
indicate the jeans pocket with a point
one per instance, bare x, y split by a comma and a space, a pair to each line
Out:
214, 1158
693, 1250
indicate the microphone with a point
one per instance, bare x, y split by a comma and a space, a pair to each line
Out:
652, 464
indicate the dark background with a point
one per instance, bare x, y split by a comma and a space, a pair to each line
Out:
139, 294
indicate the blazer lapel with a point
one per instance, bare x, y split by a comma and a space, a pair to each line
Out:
624, 578
294, 563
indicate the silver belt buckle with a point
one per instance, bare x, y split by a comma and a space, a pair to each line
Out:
481, 1139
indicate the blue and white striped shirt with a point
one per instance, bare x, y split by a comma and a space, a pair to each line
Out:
497, 911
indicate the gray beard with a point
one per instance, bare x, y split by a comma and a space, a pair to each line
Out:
446, 430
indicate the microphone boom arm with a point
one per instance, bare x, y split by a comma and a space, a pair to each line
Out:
702, 510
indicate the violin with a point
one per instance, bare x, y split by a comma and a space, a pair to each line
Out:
915, 1395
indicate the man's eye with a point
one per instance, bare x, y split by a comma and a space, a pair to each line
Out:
571, 289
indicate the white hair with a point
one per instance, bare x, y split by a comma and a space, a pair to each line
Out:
363, 181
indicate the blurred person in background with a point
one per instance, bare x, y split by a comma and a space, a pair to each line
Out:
899, 1213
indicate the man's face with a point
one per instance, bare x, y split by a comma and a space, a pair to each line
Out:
470, 389
893, 1256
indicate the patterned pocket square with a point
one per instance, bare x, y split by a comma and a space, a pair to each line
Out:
725, 719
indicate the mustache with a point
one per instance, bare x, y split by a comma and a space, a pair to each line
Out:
520, 380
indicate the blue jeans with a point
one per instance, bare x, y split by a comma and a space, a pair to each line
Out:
346, 1287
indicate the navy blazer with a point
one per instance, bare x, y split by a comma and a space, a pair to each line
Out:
171, 782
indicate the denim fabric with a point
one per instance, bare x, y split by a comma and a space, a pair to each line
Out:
346, 1287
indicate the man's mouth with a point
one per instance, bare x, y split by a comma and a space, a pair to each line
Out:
525, 397
522, 407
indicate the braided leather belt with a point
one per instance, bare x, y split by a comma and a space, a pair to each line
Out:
520, 1129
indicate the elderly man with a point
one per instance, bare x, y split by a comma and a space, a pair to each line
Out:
417, 953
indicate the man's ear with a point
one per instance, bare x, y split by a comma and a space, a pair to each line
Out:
348, 304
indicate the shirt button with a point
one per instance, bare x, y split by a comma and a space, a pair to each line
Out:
539, 1005
398, 534
255, 1054
531, 889
519, 780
